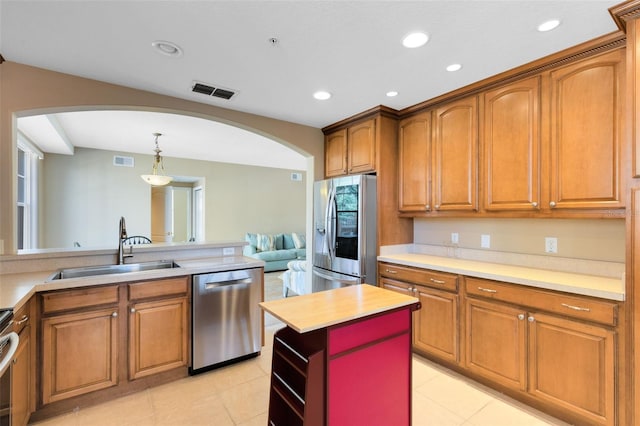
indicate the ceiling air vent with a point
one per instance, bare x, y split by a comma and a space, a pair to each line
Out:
209, 90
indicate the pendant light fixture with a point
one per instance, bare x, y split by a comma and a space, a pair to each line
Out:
157, 178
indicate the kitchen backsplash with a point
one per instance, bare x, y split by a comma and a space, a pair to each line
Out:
586, 239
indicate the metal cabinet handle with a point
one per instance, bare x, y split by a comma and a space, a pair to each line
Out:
520, 317
437, 206
534, 204
576, 308
433, 280
487, 290
22, 320
391, 271
552, 204
115, 314
133, 310
531, 319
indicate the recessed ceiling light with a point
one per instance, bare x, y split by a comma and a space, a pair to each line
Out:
454, 67
167, 48
321, 95
414, 40
549, 25
392, 93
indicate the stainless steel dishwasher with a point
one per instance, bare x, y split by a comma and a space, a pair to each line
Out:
226, 322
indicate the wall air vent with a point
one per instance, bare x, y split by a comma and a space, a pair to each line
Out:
209, 90
122, 161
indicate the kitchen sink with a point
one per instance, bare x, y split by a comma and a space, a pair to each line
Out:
90, 271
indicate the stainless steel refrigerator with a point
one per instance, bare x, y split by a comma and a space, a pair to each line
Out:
344, 243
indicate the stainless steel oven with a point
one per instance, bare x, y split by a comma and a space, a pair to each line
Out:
8, 346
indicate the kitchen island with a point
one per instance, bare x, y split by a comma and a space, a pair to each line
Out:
341, 348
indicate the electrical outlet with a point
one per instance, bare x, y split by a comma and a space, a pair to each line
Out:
485, 241
454, 238
228, 251
550, 244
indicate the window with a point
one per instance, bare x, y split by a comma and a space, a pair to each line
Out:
27, 213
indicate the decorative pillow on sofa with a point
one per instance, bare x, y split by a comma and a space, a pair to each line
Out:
265, 242
299, 241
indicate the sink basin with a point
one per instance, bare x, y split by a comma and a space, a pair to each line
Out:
90, 271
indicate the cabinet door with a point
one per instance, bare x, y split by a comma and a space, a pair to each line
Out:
511, 146
436, 324
21, 381
157, 337
361, 147
79, 353
571, 364
586, 133
414, 150
496, 343
335, 154
456, 156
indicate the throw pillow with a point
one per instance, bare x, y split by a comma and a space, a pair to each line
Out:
299, 241
265, 242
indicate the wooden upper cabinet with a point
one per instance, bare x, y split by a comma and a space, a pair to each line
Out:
511, 146
351, 150
586, 133
361, 147
335, 153
414, 148
455, 159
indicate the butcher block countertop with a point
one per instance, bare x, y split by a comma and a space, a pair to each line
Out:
326, 308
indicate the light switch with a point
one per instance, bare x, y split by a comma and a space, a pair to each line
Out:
485, 241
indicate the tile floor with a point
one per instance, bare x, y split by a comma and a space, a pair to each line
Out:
238, 395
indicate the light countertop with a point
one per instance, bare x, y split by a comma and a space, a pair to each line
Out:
17, 288
326, 308
588, 285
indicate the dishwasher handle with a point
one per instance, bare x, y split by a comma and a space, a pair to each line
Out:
214, 285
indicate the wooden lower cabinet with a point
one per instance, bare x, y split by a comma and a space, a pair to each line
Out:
553, 350
571, 365
436, 332
435, 324
90, 344
564, 363
23, 392
495, 341
21, 386
158, 336
79, 353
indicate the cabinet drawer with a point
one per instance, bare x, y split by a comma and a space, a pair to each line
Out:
22, 317
80, 298
158, 288
441, 280
572, 306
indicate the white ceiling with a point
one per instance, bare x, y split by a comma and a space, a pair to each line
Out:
349, 48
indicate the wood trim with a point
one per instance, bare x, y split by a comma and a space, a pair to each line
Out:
624, 12
594, 47
382, 110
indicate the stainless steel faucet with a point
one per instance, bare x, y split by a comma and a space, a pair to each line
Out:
122, 236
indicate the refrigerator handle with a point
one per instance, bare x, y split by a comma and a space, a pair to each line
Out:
340, 280
330, 235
